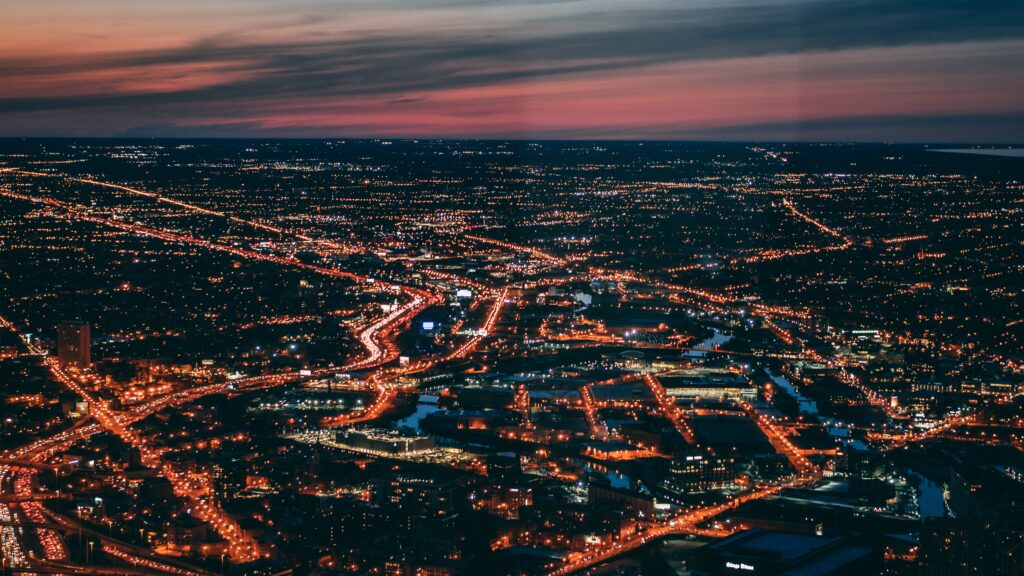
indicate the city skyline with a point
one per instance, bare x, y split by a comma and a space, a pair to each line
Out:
743, 70
448, 358
512, 288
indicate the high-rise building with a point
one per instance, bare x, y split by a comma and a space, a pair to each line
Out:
699, 473
73, 344
964, 548
423, 507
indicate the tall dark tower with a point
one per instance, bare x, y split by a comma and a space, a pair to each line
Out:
73, 344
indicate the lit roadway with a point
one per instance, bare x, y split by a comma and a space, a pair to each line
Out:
669, 408
590, 405
776, 254
379, 353
187, 486
492, 318
160, 198
816, 223
54, 551
534, 252
191, 488
22, 478
779, 440
382, 381
598, 428
377, 338
714, 302
686, 522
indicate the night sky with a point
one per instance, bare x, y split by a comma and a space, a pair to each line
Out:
876, 70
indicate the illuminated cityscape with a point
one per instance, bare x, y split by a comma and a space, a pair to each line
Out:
337, 357
512, 288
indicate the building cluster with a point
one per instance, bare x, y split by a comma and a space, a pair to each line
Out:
447, 358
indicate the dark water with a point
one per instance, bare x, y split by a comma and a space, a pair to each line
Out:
929, 498
425, 405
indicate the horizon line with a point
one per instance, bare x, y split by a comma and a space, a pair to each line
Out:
838, 142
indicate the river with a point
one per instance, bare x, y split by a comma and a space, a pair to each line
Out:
717, 339
426, 404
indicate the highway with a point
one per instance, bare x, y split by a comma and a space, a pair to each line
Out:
377, 338
188, 486
20, 498
382, 382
